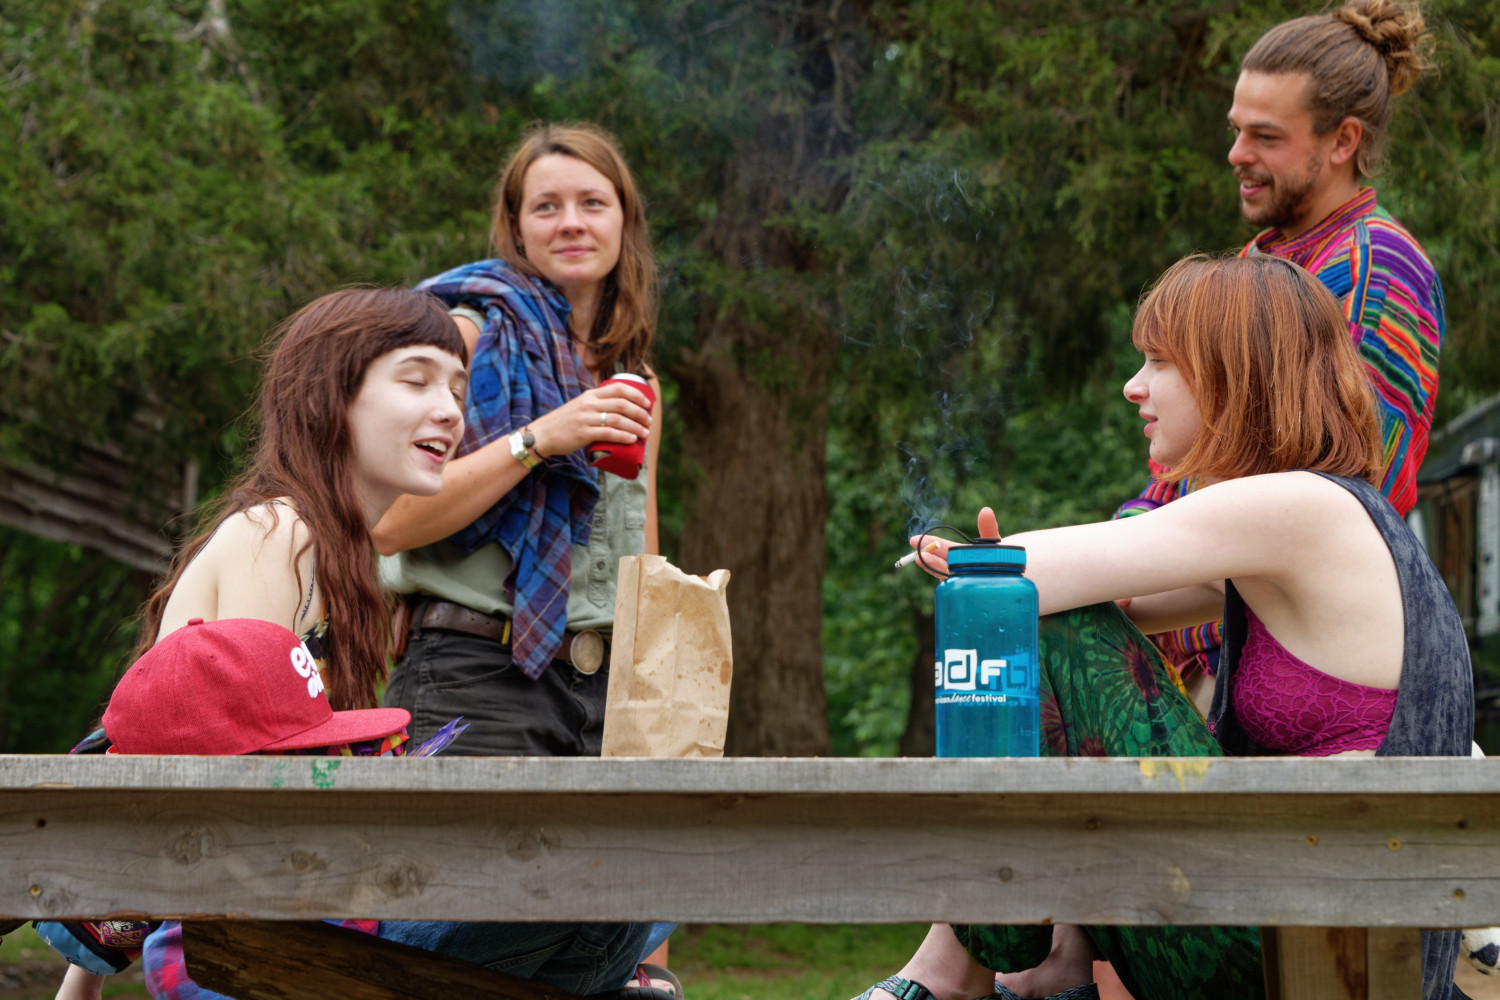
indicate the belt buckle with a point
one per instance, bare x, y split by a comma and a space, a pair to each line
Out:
587, 651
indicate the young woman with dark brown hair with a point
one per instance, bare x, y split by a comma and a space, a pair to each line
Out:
361, 403
510, 569
1341, 638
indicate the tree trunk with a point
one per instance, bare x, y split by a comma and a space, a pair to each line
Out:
759, 510
920, 736
754, 392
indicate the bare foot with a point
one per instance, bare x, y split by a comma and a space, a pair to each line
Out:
79, 984
1070, 964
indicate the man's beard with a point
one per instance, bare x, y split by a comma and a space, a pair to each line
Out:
1288, 198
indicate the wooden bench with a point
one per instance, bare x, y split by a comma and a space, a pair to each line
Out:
1346, 856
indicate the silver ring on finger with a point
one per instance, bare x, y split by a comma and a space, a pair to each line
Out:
603, 418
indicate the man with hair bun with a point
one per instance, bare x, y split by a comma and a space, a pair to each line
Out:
1310, 117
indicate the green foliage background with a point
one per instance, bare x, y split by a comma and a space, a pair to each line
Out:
176, 182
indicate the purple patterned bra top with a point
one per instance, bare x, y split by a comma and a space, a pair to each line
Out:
1294, 708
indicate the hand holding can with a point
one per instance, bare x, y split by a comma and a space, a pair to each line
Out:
624, 460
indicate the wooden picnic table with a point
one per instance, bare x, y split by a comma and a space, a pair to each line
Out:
1338, 847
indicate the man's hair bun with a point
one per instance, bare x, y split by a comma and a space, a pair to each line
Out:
1396, 30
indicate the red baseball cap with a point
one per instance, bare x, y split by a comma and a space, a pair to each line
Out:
234, 686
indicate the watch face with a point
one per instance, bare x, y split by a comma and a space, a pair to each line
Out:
528, 439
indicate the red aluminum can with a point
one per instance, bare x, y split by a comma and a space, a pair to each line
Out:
624, 460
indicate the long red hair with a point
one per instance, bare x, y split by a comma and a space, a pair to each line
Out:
303, 452
1265, 350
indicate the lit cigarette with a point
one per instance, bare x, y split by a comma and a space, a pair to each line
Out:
911, 556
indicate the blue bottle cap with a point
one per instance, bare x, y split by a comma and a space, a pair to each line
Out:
987, 555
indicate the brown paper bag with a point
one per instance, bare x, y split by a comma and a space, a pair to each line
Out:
670, 662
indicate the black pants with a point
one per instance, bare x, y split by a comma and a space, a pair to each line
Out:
444, 674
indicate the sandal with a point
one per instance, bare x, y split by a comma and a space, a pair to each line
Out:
1088, 991
642, 988
905, 989
901, 989
1481, 946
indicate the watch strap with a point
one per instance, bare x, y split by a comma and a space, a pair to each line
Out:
521, 443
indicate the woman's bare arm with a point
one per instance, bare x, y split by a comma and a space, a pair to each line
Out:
1301, 550
476, 482
1268, 527
1194, 605
80, 984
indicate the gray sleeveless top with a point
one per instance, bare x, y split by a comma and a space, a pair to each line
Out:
1434, 714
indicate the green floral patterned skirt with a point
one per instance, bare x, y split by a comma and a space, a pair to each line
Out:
1107, 692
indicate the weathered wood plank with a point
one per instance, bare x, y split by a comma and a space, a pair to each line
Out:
842, 841
1317, 963
90, 504
255, 960
749, 776
1342, 963
1393, 956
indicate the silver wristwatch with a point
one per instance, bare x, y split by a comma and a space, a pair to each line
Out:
521, 443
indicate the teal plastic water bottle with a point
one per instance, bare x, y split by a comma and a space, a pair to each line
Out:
988, 681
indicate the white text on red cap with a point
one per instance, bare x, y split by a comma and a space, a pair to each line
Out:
307, 667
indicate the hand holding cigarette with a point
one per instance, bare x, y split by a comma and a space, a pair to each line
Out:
933, 552
911, 556
930, 553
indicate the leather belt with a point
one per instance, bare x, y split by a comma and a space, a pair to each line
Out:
587, 650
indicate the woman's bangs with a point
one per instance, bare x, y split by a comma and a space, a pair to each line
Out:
1149, 332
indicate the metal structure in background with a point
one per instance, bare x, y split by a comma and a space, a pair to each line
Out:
1457, 518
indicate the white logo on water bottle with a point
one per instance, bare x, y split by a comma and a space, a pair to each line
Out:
957, 671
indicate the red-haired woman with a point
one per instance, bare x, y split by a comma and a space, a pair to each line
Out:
1251, 386
510, 569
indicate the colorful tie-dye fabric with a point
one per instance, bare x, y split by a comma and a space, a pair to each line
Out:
1393, 302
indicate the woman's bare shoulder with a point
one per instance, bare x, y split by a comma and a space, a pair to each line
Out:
1282, 522
1277, 493
257, 564
275, 521
268, 542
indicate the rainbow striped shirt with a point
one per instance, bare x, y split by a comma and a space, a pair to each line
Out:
1394, 304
